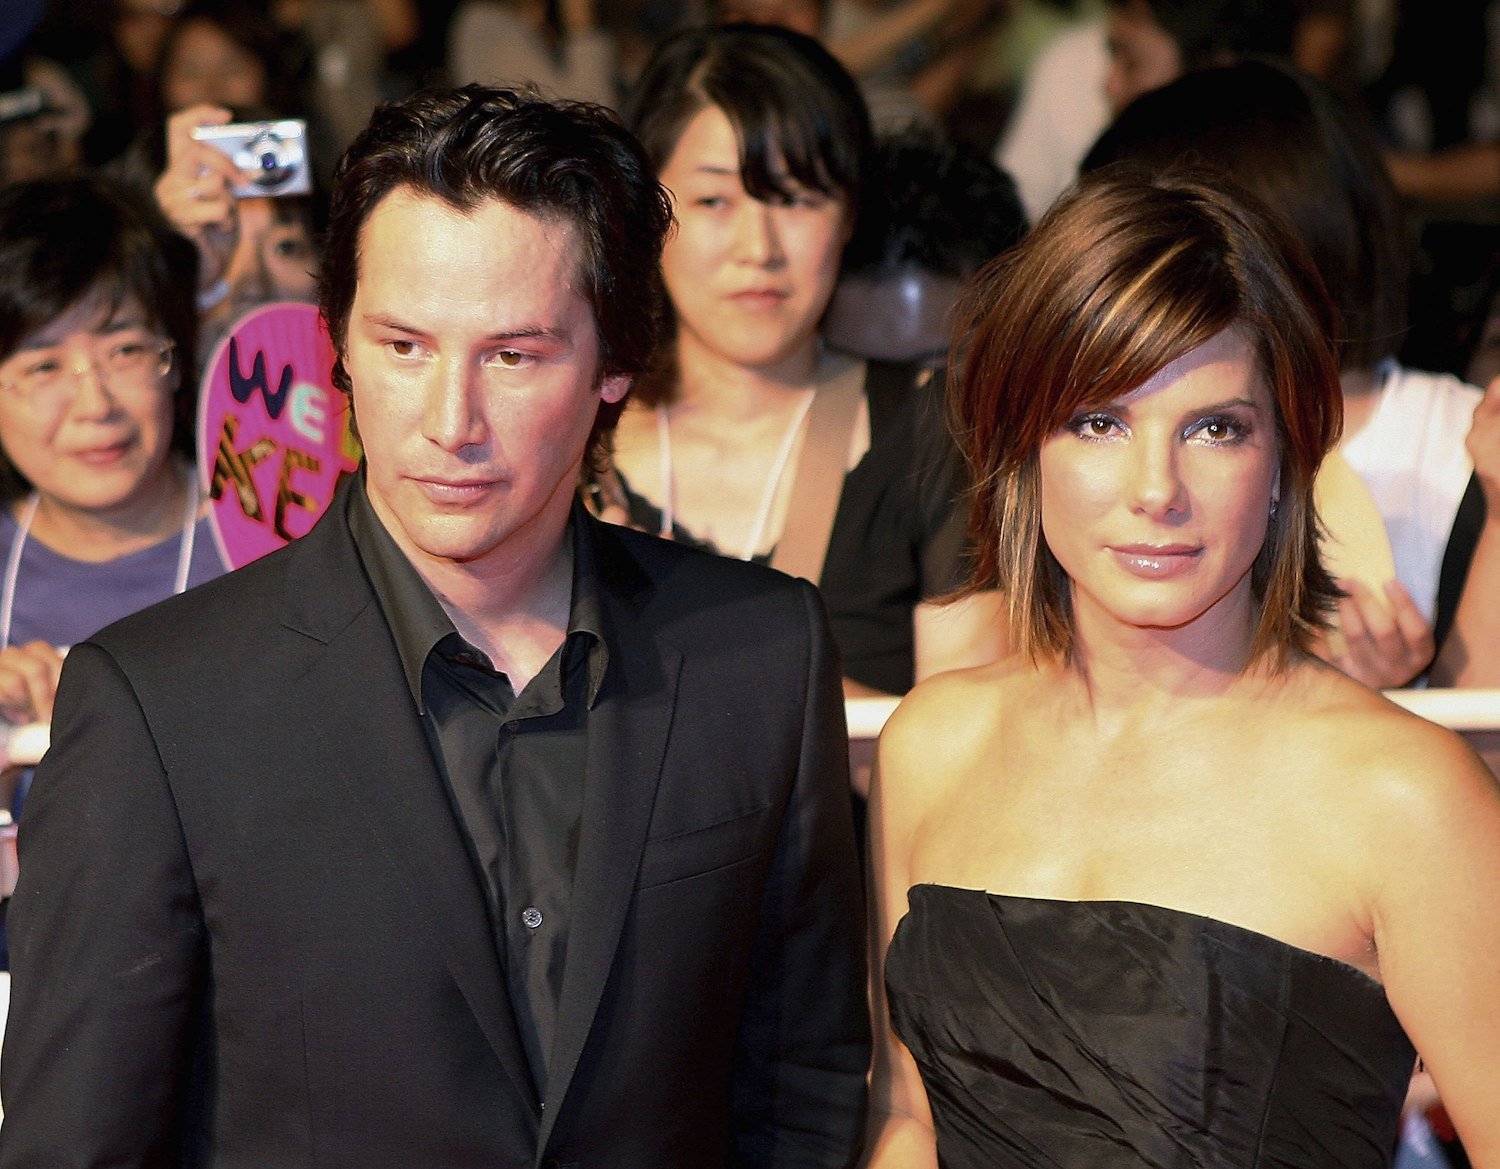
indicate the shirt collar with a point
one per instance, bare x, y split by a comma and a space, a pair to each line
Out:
418, 621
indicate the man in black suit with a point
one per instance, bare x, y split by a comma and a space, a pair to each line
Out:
466, 830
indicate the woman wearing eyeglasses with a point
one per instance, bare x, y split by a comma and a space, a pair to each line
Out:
100, 512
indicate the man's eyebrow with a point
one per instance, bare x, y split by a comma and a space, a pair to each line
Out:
519, 333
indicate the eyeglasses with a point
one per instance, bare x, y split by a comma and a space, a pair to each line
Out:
43, 377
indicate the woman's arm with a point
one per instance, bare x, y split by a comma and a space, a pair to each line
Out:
959, 634
196, 192
900, 1134
1435, 860
1470, 654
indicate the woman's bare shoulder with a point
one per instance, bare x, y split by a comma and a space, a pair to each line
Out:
960, 702
949, 720
1403, 769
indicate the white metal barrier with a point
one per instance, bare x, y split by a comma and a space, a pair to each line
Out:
1472, 713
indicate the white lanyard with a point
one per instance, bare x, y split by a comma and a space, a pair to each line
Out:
773, 479
23, 530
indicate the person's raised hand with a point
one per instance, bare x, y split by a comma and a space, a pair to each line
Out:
1382, 642
195, 191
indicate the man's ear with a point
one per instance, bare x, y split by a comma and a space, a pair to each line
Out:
613, 389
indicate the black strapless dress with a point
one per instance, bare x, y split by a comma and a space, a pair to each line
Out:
1116, 1034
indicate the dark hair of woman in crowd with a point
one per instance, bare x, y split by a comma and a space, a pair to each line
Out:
797, 113
254, 67
1295, 145
62, 241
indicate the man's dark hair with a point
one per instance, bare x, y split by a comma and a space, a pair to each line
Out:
564, 161
63, 240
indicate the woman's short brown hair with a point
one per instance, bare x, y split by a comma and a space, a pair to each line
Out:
1123, 276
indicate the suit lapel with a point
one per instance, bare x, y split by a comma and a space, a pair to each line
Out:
387, 774
627, 737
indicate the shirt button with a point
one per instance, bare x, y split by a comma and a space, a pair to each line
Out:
531, 917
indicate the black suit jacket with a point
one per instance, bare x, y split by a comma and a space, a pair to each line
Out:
249, 931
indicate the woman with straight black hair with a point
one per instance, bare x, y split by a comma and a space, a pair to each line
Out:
100, 506
101, 512
752, 437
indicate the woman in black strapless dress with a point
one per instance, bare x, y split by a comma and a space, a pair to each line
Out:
1162, 889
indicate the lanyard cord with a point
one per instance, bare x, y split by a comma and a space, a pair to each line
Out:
185, 544
768, 495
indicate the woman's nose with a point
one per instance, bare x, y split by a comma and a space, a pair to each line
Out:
1156, 485
757, 240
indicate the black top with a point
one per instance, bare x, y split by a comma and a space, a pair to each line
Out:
1116, 1034
514, 764
898, 533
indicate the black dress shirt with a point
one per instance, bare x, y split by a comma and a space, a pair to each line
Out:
514, 763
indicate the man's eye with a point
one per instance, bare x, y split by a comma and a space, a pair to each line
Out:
508, 359
402, 348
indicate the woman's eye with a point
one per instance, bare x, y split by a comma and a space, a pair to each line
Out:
711, 202
1222, 431
1094, 426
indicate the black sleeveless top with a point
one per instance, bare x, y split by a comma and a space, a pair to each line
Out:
1111, 1033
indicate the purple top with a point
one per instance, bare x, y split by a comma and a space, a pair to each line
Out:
61, 601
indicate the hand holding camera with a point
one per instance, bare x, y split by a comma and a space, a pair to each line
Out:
212, 163
271, 157
196, 191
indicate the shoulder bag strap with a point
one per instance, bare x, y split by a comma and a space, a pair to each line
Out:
820, 475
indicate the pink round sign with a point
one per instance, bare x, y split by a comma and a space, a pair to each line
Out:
273, 433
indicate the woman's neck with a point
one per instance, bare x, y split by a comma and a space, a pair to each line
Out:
1127, 670
153, 514
707, 381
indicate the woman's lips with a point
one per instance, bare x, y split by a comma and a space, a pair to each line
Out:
1156, 561
103, 456
759, 299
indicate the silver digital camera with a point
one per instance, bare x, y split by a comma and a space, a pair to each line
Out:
272, 156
